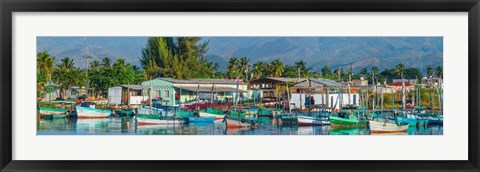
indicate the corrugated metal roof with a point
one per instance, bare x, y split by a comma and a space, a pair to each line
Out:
201, 81
282, 79
208, 89
325, 82
133, 87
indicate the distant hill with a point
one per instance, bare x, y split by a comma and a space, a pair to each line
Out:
384, 52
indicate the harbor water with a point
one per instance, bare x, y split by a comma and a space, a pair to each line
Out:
268, 126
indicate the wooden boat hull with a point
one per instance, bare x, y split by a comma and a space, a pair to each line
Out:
201, 119
206, 114
55, 116
85, 112
308, 120
337, 122
151, 121
382, 127
52, 111
413, 121
231, 123
287, 120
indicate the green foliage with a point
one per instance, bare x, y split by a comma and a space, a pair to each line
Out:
107, 75
45, 66
181, 57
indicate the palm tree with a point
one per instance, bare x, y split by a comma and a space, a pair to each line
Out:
400, 68
216, 67
94, 65
439, 72
106, 62
430, 70
302, 66
45, 64
363, 72
258, 69
244, 66
277, 68
232, 67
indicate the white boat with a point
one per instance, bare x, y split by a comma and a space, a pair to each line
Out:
232, 123
216, 116
308, 120
144, 120
88, 112
383, 127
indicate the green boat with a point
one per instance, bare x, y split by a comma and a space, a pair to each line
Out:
52, 113
62, 116
209, 112
356, 119
286, 119
124, 112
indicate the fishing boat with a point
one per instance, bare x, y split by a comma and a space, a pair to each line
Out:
88, 110
209, 112
52, 113
239, 119
310, 120
356, 119
386, 127
415, 118
287, 119
201, 119
264, 112
158, 115
124, 112
143, 119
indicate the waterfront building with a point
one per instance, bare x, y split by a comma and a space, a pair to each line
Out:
126, 95
317, 91
175, 91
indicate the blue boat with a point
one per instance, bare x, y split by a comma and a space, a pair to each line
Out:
200, 119
415, 117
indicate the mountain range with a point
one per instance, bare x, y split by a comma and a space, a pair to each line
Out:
360, 52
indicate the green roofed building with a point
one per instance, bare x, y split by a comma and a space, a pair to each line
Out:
175, 91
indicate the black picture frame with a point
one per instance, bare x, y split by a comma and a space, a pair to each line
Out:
9, 6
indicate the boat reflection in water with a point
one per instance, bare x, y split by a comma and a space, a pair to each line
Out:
128, 126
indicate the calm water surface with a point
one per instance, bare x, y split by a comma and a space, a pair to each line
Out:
127, 126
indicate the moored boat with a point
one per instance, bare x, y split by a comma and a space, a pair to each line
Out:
338, 122
356, 119
312, 120
143, 119
88, 112
52, 111
235, 123
201, 119
385, 127
209, 112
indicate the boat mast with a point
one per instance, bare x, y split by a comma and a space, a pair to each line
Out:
86, 57
341, 94
236, 97
196, 97
211, 98
375, 90
349, 80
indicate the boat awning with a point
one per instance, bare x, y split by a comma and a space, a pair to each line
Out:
208, 89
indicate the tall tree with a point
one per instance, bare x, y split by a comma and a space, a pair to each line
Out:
277, 68
430, 71
45, 65
232, 67
400, 68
